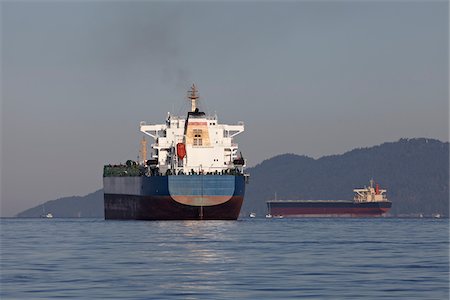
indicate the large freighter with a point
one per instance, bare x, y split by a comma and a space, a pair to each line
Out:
194, 172
369, 201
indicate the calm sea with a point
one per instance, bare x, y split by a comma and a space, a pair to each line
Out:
245, 259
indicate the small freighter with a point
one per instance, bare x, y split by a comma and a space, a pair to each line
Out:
194, 172
367, 202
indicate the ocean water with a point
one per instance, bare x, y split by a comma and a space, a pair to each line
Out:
245, 259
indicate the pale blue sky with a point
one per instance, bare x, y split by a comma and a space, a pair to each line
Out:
313, 78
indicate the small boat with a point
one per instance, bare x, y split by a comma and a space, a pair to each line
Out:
46, 215
268, 215
252, 215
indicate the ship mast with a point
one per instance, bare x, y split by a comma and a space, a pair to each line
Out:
193, 96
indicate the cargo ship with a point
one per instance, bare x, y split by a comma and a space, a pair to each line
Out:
369, 201
194, 172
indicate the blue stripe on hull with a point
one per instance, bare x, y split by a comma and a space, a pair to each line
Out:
200, 185
189, 185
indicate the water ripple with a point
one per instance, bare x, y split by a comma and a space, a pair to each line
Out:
248, 259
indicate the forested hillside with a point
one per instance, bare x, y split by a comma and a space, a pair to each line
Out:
89, 206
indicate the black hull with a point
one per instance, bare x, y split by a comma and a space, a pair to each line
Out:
130, 207
180, 197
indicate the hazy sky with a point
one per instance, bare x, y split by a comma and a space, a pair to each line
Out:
313, 78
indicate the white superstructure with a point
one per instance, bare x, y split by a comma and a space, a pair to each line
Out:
370, 194
197, 143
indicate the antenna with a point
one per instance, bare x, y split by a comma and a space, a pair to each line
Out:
193, 95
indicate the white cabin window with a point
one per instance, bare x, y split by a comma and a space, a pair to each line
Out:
198, 137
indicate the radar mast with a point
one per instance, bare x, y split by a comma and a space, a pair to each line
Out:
193, 96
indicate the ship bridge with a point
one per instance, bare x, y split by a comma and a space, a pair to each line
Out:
194, 144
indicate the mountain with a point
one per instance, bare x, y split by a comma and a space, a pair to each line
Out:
415, 173
89, 206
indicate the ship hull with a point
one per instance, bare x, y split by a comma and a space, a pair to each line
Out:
180, 197
328, 208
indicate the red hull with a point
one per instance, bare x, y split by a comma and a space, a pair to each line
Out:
328, 208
